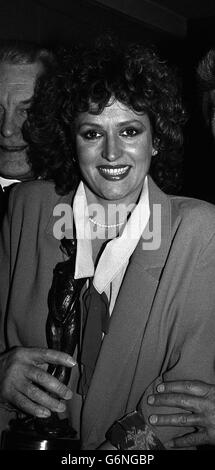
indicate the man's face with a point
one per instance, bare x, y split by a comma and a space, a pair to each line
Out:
212, 111
16, 90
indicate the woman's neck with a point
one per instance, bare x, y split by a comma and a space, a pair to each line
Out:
110, 213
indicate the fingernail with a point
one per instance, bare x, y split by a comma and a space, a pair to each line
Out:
72, 361
61, 407
160, 388
153, 419
43, 414
151, 400
68, 395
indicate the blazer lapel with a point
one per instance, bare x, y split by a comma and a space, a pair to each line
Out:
115, 366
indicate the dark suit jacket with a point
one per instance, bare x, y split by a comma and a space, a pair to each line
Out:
163, 322
4, 196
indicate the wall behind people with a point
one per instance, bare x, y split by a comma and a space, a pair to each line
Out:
68, 21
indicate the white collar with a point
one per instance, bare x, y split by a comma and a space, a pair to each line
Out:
84, 266
4, 182
118, 251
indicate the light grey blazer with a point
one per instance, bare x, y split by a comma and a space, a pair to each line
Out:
163, 322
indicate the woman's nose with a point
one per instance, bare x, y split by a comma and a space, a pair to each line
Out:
111, 148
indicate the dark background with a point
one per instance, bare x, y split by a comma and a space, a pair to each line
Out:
182, 31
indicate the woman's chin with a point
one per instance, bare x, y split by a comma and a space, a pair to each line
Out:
113, 196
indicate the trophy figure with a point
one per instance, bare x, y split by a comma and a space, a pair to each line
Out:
62, 332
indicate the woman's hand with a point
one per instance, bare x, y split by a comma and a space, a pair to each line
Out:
25, 384
198, 399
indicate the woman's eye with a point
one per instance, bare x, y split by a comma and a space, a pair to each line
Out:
91, 135
129, 132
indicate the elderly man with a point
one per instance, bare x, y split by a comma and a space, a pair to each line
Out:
196, 399
20, 65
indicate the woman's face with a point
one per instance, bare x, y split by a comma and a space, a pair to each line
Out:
114, 151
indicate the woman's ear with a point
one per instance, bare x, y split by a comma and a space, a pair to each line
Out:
155, 148
154, 152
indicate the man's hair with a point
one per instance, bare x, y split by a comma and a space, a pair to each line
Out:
206, 71
22, 52
206, 82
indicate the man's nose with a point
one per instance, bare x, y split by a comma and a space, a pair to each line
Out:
8, 125
111, 148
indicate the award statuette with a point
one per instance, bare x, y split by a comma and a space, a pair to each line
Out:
62, 332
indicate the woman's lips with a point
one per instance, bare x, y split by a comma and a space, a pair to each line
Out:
114, 173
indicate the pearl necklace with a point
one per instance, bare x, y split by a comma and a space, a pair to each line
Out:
104, 225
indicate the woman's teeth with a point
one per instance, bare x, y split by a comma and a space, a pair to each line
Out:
114, 171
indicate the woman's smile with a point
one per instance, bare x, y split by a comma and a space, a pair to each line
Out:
114, 173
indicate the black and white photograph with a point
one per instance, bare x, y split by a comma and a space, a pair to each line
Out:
107, 232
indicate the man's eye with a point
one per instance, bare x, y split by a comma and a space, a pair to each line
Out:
23, 111
91, 135
129, 132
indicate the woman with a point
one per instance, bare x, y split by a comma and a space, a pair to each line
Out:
150, 256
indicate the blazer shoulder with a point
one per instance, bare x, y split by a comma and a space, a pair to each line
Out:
38, 195
33, 202
196, 214
37, 190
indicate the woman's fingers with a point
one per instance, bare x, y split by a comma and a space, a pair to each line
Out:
41, 398
27, 406
44, 356
26, 385
27, 397
49, 382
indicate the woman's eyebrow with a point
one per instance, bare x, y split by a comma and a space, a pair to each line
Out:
89, 124
129, 122
118, 124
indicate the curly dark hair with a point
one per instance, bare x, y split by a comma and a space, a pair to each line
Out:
133, 75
